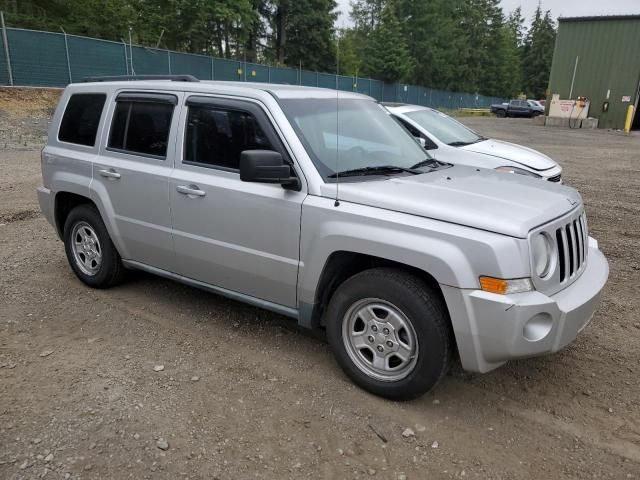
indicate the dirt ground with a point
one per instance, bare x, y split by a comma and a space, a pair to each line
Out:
245, 394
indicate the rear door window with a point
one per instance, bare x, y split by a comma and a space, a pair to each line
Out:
81, 119
141, 125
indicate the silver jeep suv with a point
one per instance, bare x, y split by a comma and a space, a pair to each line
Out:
319, 206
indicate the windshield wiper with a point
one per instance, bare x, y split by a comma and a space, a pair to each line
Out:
377, 170
432, 163
464, 144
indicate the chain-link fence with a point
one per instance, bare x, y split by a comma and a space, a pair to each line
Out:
35, 58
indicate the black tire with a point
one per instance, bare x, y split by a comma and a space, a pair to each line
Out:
501, 114
424, 309
110, 271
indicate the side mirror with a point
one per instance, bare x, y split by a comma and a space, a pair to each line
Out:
265, 166
422, 142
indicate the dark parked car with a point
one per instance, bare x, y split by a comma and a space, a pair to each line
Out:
516, 108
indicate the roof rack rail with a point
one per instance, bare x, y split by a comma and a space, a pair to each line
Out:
116, 78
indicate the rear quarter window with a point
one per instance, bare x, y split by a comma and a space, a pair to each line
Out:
81, 119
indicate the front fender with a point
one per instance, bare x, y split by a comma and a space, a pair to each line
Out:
452, 254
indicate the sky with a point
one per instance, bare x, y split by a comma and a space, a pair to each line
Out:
565, 8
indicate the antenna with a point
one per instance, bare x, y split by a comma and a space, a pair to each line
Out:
337, 202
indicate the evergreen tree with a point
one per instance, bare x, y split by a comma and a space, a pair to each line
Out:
350, 52
511, 65
538, 54
386, 54
303, 32
366, 14
514, 36
434, 39
515, 22
310, 35
474, 55
495, 71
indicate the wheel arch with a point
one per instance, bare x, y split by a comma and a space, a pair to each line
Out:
63, 204
65, 201
341, 265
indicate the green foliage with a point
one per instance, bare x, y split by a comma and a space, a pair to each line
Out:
350, 52
310, 35
386, 54
435, 41
538, 53
463, 45
366, 14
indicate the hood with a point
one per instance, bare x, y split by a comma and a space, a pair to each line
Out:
512, 152
479, 198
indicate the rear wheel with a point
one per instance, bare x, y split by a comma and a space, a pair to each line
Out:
90, 251
390, 333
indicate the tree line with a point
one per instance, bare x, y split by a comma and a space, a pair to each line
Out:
461, 45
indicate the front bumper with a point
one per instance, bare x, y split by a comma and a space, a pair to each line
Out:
491, 329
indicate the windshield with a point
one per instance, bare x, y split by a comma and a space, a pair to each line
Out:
534, 103
361, 135
444, 128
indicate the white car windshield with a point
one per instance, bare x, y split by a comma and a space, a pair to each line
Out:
444, 128
352, 134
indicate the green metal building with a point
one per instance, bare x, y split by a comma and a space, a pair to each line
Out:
599, 58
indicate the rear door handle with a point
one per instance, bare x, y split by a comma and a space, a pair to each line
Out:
191, 190
110, 173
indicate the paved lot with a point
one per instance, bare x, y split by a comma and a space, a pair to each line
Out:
244, 394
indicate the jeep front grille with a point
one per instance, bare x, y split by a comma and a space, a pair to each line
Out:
572, 244
569, 239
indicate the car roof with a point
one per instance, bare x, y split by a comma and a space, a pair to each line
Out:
216, 86
403, 107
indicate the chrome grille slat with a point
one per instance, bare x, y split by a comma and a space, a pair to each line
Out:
585, 233
576, 247
578, 227
567, 253
573, 258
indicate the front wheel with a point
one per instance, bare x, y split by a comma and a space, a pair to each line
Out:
501, 114
390, 333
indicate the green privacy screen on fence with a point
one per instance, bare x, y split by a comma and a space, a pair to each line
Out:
46, 59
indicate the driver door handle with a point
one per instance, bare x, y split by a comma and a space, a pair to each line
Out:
109, 173
191, 190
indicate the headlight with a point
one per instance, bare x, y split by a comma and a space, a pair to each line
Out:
519, 171
541, 254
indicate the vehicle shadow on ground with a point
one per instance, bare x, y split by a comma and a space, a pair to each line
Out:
218, 312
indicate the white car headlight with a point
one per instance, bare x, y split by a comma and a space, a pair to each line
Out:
541, 254
518, 171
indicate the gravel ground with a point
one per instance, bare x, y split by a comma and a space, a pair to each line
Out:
244, 394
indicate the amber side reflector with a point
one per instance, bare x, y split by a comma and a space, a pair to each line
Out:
494, 285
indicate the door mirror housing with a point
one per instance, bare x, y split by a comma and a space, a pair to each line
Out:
265, 166
421, 141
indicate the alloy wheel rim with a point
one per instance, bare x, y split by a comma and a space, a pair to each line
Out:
86, 248
380, 339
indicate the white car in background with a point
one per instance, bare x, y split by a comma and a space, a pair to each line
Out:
448, 140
